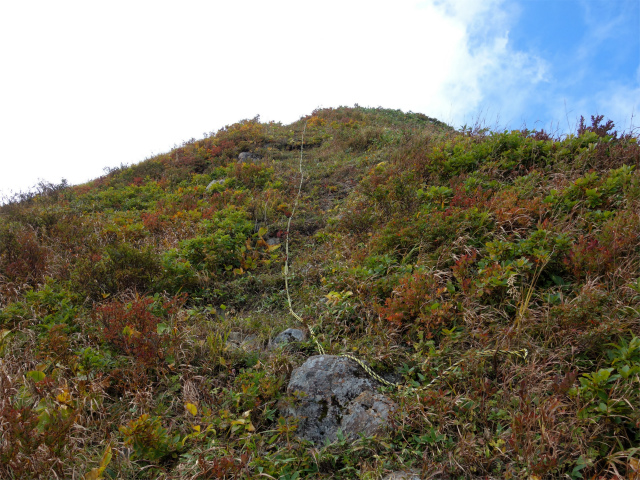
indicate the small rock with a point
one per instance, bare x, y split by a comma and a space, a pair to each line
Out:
404, 475
336, 394
215, 182
245, 157
290, 335
235, 337
273, 241
237, 340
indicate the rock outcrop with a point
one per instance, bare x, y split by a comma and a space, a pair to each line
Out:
245, 157
406, 475
336, 394
215, 182
290, 335
237, 340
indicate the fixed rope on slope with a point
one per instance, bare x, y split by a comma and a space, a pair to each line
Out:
522, 353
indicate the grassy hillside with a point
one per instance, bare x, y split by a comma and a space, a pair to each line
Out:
413, 246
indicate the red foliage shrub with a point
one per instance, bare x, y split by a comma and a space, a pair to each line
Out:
223, 467
32, 445
462, 198
603, 252
22, 258
121, 382
188, 201
192, 157
55, 344
600, 130
133, 327
420, 299
155, 222
137, 181
513, 213
462, 271
541, 135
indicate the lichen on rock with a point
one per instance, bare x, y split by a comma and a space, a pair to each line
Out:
335, 394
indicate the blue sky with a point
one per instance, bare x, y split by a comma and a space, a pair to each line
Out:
88, 85
591, 51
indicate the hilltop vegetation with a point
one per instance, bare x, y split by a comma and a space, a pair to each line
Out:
412, 246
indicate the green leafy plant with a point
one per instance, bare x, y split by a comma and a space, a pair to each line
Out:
149, 439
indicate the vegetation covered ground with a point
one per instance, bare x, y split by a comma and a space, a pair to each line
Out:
413, 246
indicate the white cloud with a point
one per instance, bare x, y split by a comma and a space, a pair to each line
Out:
489, 77
88, 84
622, 103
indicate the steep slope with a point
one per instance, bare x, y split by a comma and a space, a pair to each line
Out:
495, 274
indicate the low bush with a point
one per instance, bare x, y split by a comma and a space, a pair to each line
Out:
118, 267
141, 328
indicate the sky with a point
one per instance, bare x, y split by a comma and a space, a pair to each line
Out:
88, 85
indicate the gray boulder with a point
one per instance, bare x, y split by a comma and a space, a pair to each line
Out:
336, 394
290, 335
237, 340
273, 241
416, 475
246, 157
406, 475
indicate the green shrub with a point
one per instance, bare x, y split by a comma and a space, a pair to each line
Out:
610, 397
221, 249
117, 267
149, 439
178, 275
